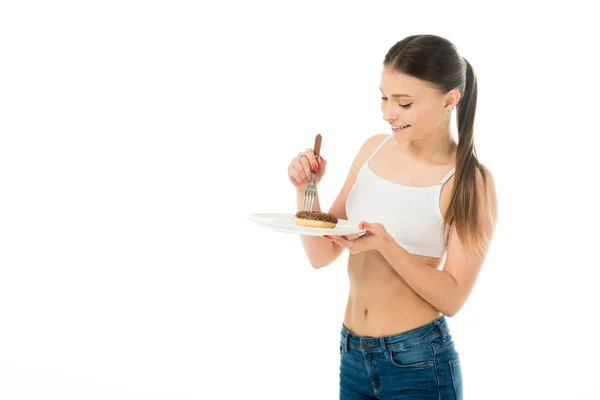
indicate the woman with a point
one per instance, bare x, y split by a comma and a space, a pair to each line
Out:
421, 197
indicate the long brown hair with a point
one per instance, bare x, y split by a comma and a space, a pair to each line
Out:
436, 60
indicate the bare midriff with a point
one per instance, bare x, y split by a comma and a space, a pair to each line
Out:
380, 302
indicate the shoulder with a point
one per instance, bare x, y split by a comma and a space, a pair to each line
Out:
366, 149
484, 175
375, 140
486, 194
371, 143
485, 179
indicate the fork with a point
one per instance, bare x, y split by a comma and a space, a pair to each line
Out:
311, 190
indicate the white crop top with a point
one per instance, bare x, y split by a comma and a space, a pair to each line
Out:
410, 214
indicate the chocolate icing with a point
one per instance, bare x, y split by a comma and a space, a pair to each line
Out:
317, 216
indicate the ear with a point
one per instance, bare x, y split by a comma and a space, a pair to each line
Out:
451, 100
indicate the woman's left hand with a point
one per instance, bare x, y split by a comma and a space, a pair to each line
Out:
374, 239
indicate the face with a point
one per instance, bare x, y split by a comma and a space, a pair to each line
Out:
413, 107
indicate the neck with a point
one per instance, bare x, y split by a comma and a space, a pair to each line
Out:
437, 147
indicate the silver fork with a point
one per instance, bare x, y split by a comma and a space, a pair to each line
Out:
311, 190
309, 194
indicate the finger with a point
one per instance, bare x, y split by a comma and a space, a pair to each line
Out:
298, 183
371, 227
295, 170
310, 155
339, 240
295, 176
300, 171
305, 166
322, 163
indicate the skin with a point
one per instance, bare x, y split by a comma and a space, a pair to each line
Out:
391, 290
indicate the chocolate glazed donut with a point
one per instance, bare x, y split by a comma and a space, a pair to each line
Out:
316, 219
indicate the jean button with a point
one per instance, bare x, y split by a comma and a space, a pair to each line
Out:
365, 345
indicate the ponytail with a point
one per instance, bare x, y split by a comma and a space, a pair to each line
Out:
464, 208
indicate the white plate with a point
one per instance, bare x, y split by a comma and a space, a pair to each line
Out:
284, 222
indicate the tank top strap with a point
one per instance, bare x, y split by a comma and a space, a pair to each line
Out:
448, 176
379, 147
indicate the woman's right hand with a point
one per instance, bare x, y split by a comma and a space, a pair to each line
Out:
300, 167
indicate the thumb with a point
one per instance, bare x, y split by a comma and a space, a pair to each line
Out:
369, 226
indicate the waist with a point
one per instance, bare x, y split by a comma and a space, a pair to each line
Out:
376, 322
437, 328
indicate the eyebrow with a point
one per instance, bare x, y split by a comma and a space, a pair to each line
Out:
399, 95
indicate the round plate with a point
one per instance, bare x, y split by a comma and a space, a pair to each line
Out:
285, 222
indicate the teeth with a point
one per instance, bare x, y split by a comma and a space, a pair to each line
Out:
399, 127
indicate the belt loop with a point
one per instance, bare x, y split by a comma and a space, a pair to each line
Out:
383, 347
345, 341
441, 329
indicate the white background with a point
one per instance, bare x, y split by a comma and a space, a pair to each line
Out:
135, 138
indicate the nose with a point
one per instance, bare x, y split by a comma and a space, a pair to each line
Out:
390, 113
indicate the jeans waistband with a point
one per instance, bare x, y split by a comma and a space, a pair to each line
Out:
437, 328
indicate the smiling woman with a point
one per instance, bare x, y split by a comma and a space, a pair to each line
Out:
421, 197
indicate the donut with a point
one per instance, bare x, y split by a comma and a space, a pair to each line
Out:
316, 219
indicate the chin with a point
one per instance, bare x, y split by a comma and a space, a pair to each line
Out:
403, 138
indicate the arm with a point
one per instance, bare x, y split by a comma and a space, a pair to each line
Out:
447, 290
320, 251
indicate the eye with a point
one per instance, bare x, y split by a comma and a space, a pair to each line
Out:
401, 105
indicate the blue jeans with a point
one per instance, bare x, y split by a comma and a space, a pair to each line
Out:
418, 364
